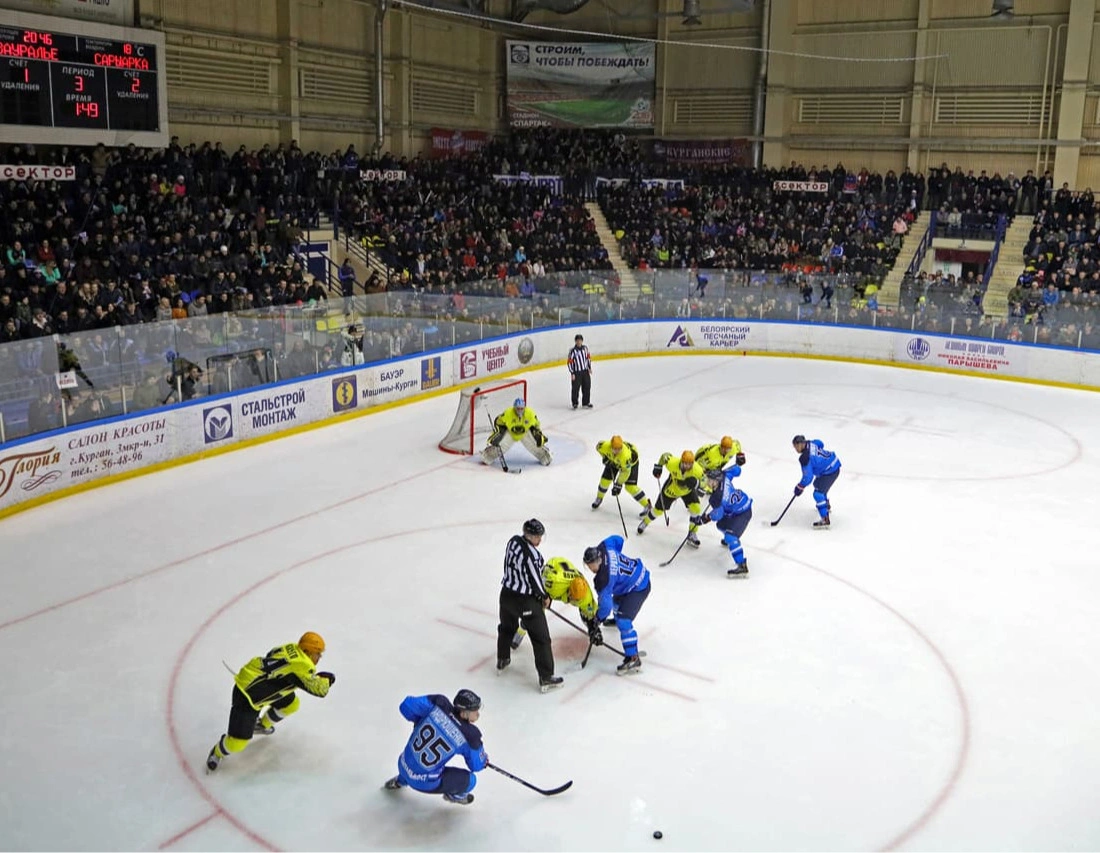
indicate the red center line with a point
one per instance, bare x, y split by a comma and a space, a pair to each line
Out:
481, 663
465, 628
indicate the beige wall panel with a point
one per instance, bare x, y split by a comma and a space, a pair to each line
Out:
710, 68
629, 17
811, 12
957, 9
879, 161
337, 24
1088, 170
231, 134
1001, 162
715, 24
319, 138
336, 85
991, 55
827, 74
439, 42
254, 18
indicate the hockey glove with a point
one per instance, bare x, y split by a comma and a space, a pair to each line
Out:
616, 489
329, 676
799, 490
657, 470
539, 438
739, 459
595, 635
700, 520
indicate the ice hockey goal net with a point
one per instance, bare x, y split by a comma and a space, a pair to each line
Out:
477, 407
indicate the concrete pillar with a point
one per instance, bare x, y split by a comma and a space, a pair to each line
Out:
922, 85
399, 64
784, 14
289, 83
662, 119
1075, 75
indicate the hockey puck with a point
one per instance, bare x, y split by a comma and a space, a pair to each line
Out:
658, 834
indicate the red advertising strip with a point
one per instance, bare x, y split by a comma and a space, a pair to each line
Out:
457, 143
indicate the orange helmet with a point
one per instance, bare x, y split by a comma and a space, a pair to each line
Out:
311, 643
687, 459
727, 442
616, 442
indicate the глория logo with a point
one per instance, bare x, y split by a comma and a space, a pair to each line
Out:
25, 464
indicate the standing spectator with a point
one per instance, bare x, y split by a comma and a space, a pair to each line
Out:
523, 599
346, 276
442, 730
622, 586
580, 368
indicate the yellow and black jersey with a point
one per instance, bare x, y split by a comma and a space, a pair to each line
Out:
622, 459
564, 583
710, 457
517, 423
279, 673
679, 482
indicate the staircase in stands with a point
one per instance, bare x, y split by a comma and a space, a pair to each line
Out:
628, 282
890, 294
1010, 263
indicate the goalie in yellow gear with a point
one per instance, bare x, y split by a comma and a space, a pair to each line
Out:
517, 423
718, 457
620, 468
685, 478
564, 583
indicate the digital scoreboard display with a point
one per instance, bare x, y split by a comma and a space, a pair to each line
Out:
106, 80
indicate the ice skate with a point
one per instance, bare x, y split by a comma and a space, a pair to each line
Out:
596, 503
459, 799
629, 666
741, 570
213, 760
261, 729
693, 540
394, 784
822, 524
549, 683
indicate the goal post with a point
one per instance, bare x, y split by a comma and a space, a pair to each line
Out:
476, 409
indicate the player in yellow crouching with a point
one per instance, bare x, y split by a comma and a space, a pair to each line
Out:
518, 423
620, 464
564, 583
716, 457
685, 477
269, 682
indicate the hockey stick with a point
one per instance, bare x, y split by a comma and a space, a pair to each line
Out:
503, 464
660, 494
605, 644
787, 507
673, 557
545, 792
623, 520
584, 662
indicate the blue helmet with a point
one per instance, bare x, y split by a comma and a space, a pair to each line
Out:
519, 403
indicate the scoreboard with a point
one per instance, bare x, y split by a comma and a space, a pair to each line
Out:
71, 83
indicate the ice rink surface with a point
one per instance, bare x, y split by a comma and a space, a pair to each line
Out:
924, 675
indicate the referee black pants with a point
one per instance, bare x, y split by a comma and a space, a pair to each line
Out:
582, 382
526, 610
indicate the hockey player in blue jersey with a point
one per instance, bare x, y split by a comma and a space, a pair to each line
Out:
622, 585
731, 510
441, 730
819, 466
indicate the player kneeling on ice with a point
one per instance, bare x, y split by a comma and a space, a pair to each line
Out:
820, 466
622, 586
519, 423
441, 730
731, 510
270, 682
620, 464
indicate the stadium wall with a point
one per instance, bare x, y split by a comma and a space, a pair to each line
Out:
47, 467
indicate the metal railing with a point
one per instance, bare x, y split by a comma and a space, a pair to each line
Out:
135, 368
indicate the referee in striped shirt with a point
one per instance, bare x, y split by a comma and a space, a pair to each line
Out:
523, 600
580, 368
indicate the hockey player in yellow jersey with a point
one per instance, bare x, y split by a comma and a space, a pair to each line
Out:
564, 583
715, 457
270, 682
620, 468
685, 478
518, 423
